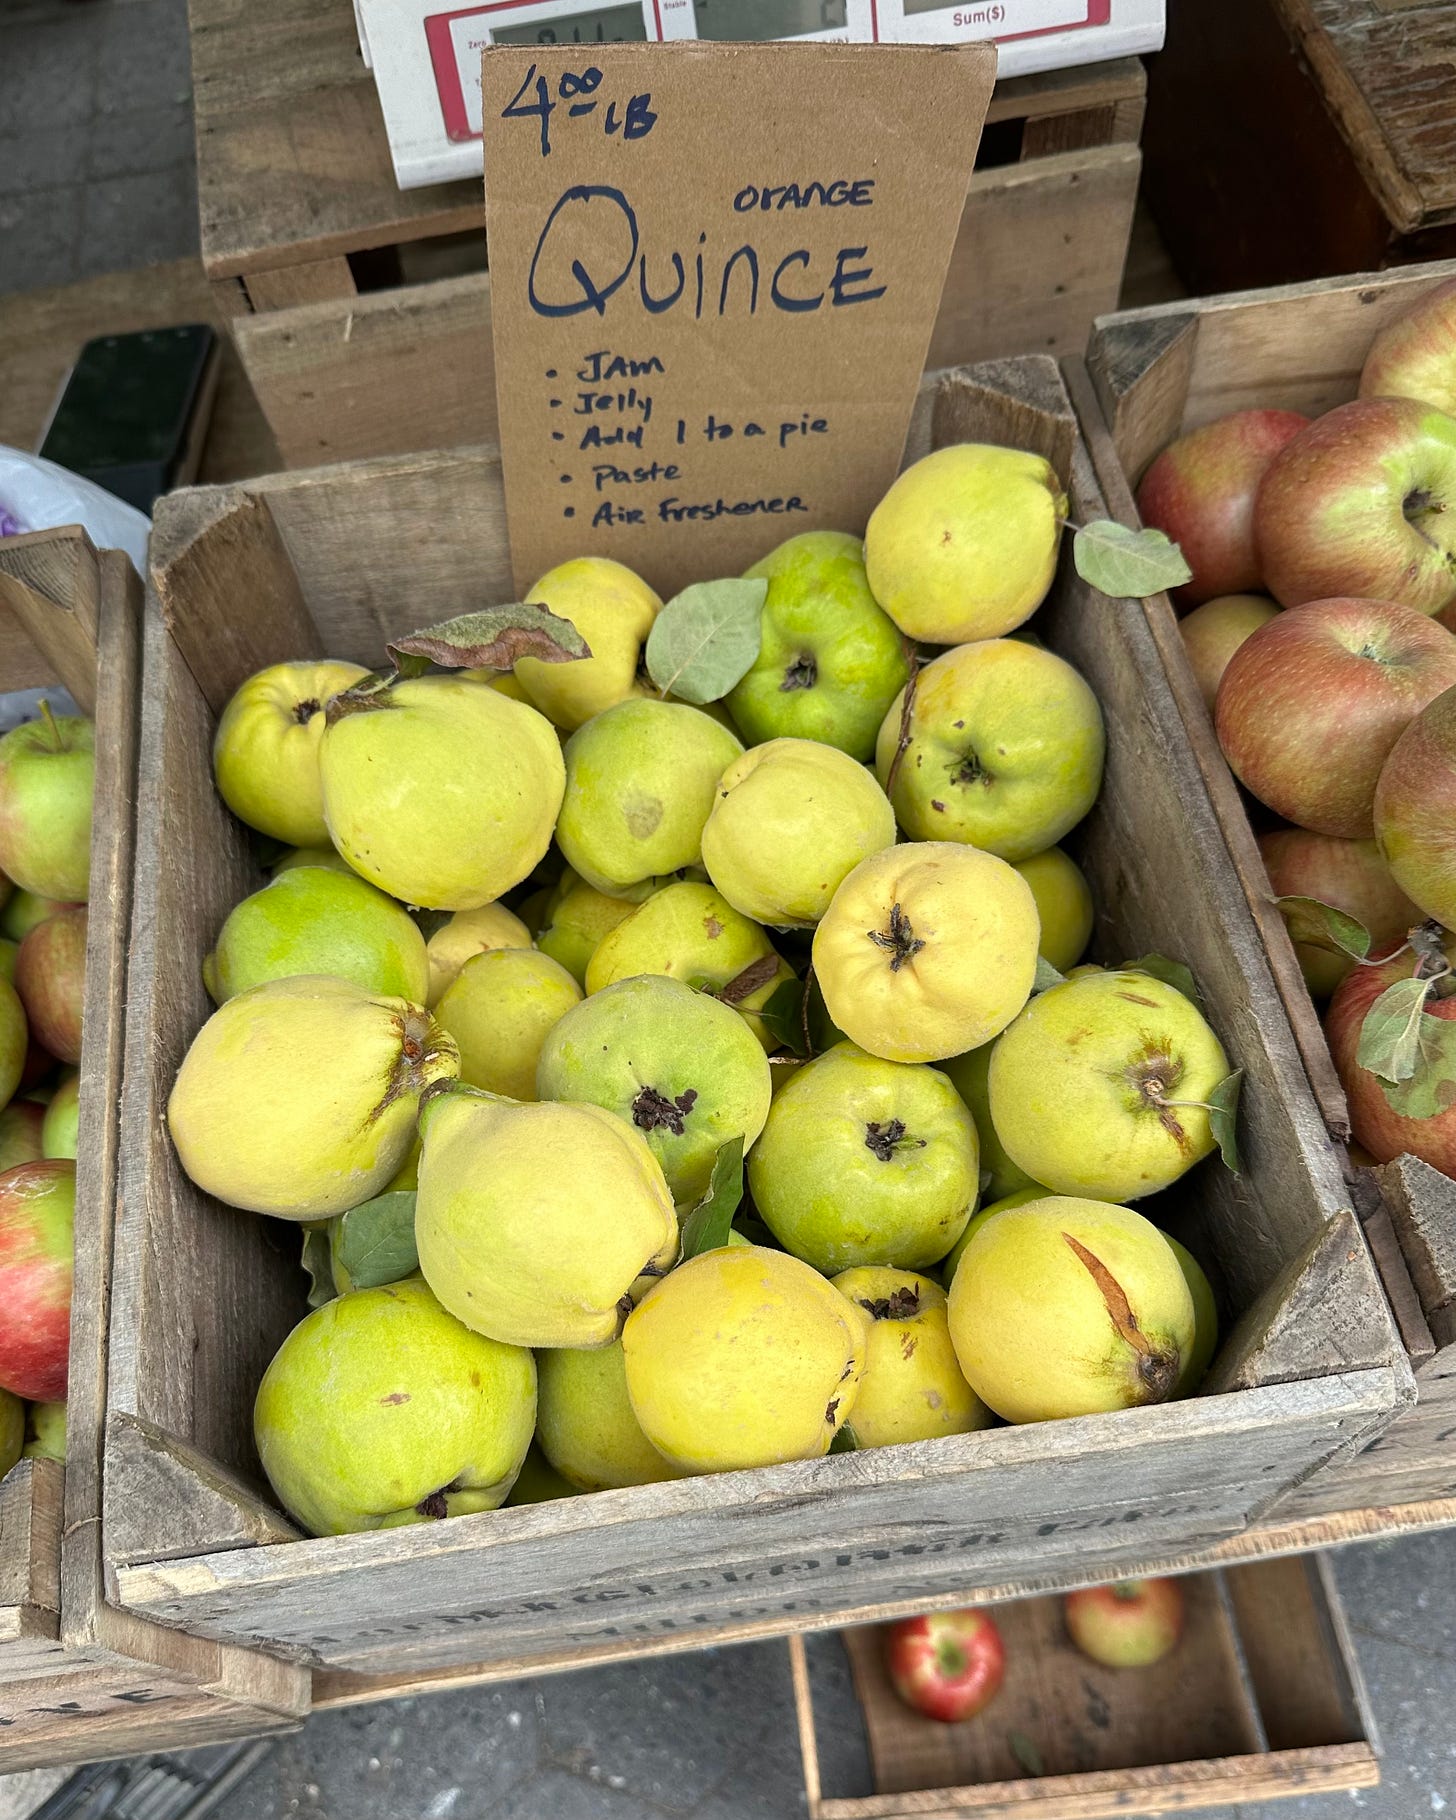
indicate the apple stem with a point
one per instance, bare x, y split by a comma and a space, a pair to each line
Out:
48, 720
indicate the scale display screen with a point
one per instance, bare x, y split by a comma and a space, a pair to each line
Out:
601, 25
744, 21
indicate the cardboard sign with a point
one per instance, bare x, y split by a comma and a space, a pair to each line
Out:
714, 274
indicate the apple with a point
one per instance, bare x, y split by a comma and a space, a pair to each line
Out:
1361, 503
948, 1665
1201, 489
1311, 704
14, 1042
1415, 809
1214, 631
1348, 874
50, 976
1377, 1126
21, 1141
47, 775
1415, 356
37, 1211
1131, 1624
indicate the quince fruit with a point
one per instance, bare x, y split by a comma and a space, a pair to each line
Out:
534, 1221
265, 753
1005, 749
926, 951
640, 780
441, 791
298, 1098
743, 1357
500, 1008
790, 821
912, 1388
585, 1426
380, 1408
613, 609
964, 544
680, 1066
864, 1162
830, 661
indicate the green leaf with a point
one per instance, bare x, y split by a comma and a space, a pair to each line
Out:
1026, 1753
706, 638
1390, 1037
783, 1016
707, 1227
1171, 973
1223, 1110
376, 1242
1431, 1089
490, 640
1046, 977
1321, 925
844, 1441
318, 1262
1127, 564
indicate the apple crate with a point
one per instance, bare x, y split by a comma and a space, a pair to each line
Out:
79, 1679
337, 561
1157, 373
1262, 1698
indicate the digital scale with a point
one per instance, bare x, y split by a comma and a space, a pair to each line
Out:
425, 54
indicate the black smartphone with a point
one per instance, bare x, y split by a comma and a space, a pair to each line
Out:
133, 412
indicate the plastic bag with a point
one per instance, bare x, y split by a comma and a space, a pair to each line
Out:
36, 495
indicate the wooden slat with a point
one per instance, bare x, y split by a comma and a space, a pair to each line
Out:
1303, 1672
1390, 83
31, 1497
1238, 833
1267, 1540
1422, 1205
320, 281
49, 588
391, 372
1054, 233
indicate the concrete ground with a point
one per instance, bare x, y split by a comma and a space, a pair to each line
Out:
97, 174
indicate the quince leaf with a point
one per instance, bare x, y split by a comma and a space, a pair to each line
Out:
1390, 1037
706, 639
1171, 973
319, 1265
1026, 1753
844, 1441
1046, 977
1223, 1107
490, 640
1321, 925
1431, 1089
783, 1016
1127, 564
376, 1242
707, 1227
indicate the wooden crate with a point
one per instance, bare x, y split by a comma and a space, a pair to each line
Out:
364, 334
1344, 155
79, 1680
1156, 373
339, 559
1262, 1698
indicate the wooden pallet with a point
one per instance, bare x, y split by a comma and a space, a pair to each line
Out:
322, 559
78, 1679
1343, 153
362, 311
1261, 1698
1156, 373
